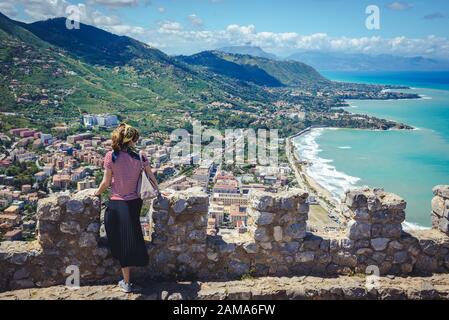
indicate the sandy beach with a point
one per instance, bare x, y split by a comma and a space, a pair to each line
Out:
319, 216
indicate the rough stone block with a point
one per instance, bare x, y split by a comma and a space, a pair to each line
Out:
277, 233
74, 206
443, 225
438, 205
261, 235
358, 230
70, 227
304, 257
297, 231
379, 244
238, 267
250, 247
87, 239
442, 191
266, 245
261, 200
265, 218
179, 206
392, 231
400, 257
356, 198
292, 247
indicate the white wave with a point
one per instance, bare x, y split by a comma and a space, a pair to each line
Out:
320, 169
345, 147
407, 226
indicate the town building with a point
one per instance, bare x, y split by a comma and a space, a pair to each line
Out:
86, 184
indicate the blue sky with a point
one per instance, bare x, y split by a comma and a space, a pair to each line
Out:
419, 27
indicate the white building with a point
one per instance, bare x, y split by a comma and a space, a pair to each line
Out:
89, 120
103, 120
107, 120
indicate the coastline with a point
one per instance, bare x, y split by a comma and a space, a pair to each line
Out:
325, 199
329, 213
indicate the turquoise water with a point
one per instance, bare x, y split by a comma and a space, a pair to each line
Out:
424, 79
408, 163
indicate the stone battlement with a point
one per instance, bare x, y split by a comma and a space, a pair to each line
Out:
277, 242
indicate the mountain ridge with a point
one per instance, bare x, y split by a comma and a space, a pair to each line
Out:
288, 73
52, 74
333, 61
248, 50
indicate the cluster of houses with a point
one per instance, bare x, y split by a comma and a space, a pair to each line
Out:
13, 224
26, 60
64, 165
229, 193
71, 164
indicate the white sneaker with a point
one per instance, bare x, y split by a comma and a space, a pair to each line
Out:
125, 287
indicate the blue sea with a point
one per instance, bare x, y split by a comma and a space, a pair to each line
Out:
408, 163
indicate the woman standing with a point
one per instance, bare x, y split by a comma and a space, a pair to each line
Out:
123, 167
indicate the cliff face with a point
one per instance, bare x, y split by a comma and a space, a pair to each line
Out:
277, 243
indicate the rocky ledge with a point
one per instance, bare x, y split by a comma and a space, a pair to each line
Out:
273, 288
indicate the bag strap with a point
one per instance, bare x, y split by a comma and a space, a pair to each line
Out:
141, 160
143, 169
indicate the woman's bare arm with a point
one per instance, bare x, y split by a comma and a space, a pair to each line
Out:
104, 185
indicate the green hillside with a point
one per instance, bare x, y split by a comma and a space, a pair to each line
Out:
213, 62
50, 74
10, 27
259, 70
68, 76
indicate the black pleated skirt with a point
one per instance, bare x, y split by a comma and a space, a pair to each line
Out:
124, 233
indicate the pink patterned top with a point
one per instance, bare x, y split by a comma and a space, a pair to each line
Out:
125, 175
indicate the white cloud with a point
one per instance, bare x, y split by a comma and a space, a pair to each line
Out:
399, 5
46, 9
169, 27
161, 10
124, 29
195, 20
174, 38
8, 8
115, 3
98, 19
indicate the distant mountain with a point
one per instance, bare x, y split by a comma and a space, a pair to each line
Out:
54, 74
50, 74
215, 61
332, 61
164, 75
94, 45
9, 27
249, 50
258, 70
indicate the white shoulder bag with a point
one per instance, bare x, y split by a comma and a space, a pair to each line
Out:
145, 188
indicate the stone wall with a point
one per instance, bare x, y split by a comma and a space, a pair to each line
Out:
67, 234
376, 236
440, 208
179, 239
277, 242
